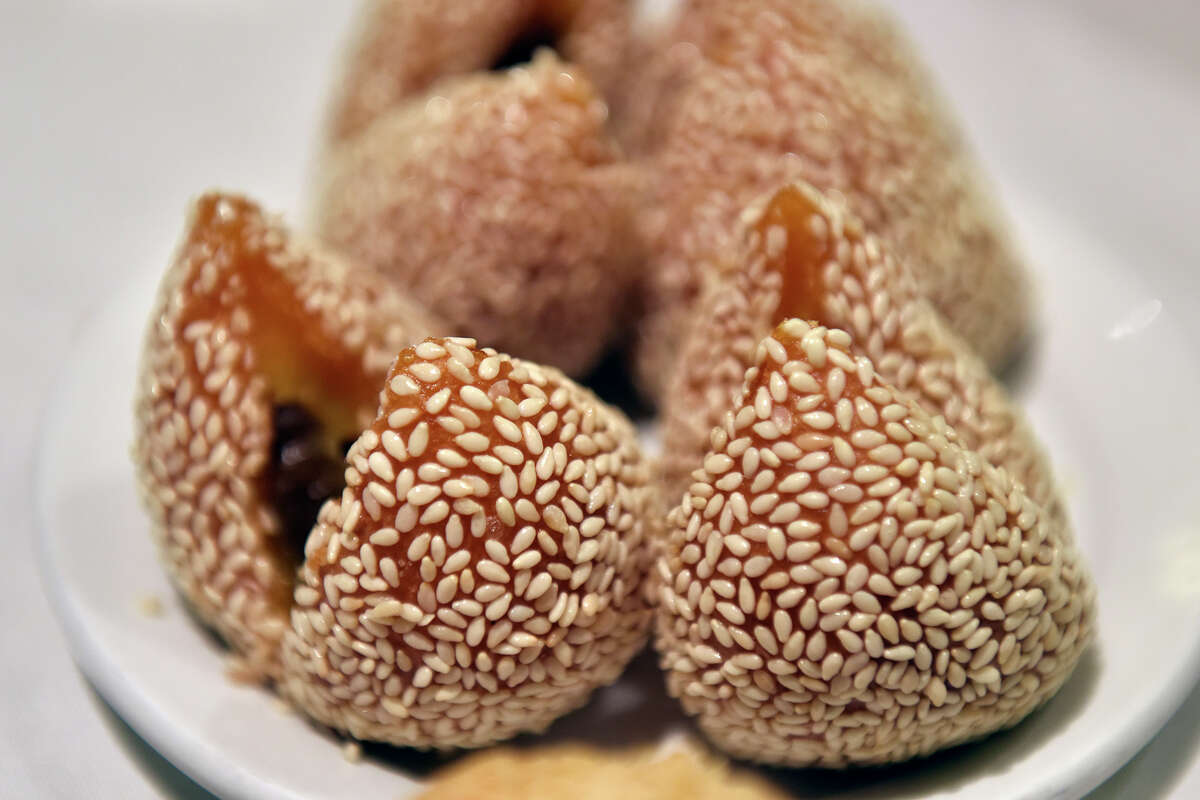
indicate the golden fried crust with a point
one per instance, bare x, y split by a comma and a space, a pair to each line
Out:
744, 96
248, 317
801, 255
500, 202
402, 47
583, 773
483, 570
845, 583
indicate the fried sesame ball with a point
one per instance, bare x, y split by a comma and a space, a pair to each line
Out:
500, 202
586, 773
252, 328
401, 47
483, 569
845, 583
801, 254
742, 96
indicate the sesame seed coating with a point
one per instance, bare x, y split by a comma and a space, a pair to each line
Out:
492, 598
499, 201
401, 47
936, 603
247, 317
743, 96
800, 254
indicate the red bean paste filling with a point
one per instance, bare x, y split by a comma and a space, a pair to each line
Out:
520, 50
303, 474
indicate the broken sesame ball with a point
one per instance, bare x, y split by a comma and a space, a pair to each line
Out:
799, 254
482, 570
743, 96
499, 201
845, 583
263, 355
402, 47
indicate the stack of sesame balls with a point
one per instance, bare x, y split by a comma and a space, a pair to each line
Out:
369, 467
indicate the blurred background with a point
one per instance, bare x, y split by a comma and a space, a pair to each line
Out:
115, 112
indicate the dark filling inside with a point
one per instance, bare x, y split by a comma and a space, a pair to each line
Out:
304, 473
521, 49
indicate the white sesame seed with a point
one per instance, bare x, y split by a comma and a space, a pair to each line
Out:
490, 570
423, 494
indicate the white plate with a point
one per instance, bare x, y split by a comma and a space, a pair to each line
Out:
1111, 387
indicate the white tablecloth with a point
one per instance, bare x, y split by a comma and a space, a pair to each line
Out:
114, 112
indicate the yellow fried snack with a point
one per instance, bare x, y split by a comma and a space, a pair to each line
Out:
572, 772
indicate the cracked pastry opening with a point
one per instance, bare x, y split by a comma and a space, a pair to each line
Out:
305, 471
320, 401
804, 251
264, 355
319, 396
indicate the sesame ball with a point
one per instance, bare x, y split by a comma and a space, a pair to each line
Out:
252, 326
801, 254
743, 96
400, 47
482, 571
500, 202
845, 583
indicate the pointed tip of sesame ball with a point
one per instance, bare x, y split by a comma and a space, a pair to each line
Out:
483, 570
801, 253
845, 583
249, 325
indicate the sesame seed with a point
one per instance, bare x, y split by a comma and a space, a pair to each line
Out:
418, 440
472, 442
425, 372
475, 398
437, 402
490, 570
423, 494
